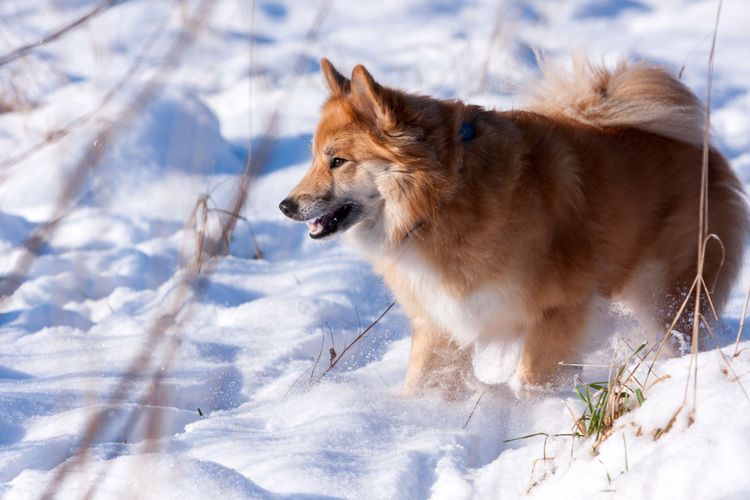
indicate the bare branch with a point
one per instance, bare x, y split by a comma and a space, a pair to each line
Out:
51, 37
357, 339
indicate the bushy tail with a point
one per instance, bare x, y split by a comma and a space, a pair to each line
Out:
638, 95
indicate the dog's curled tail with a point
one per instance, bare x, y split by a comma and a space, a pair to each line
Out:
631, 95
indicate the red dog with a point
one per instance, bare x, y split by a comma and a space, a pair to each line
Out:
493, 224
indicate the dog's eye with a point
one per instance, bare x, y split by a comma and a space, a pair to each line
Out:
337, 162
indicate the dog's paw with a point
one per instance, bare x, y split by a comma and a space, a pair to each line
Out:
449, 388
522, 388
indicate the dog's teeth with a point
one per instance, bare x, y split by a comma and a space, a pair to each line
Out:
314, 227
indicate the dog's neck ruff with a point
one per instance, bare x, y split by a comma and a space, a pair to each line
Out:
467, 131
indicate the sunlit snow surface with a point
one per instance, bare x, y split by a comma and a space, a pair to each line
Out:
247, 344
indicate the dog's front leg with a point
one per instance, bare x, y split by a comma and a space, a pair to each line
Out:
437, 362
552, 339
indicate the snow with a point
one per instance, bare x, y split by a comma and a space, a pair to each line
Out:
250, 336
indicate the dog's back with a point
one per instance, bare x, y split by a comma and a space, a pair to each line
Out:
662, 185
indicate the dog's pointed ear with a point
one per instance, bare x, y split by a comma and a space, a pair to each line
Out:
336, 82
370, 98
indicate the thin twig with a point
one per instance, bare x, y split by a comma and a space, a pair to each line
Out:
51, 37
473, 410
659, 346
736, 378
317, 360
256, 247
742, 323
294, 384
357, 339
702, 218
545, 434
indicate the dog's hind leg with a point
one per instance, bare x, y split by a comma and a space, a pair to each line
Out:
551, 339
437, 362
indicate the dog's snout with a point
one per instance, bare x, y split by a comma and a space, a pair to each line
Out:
288, 207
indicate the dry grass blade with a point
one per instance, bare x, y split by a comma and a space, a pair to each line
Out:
476, 405
205, 246
51, 37
259, 156
364, 332
256, 247
533, 483
702, 222
742, 323
734, 373
659, 346
699, 291
545, 434
317, 360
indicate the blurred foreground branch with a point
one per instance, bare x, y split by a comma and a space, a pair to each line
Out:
191, 279
51, 37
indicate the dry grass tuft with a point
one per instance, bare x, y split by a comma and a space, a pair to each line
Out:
608, 400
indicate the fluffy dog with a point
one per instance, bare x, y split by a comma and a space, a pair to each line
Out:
491, 225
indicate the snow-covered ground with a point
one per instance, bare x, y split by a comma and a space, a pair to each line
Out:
240, 416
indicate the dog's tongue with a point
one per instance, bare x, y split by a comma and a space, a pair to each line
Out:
328, 223
318, 225
315, 226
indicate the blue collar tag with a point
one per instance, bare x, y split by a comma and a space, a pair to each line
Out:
467, 131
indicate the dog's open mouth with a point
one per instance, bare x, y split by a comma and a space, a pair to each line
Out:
339, 219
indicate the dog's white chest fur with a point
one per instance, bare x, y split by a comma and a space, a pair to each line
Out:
487, 312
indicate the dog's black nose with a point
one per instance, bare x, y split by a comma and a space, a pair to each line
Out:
288, 207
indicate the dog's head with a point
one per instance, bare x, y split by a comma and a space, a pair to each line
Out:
382, 158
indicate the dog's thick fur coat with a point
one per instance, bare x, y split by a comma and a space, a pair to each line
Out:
590, 192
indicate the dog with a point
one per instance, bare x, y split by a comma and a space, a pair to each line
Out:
490, 225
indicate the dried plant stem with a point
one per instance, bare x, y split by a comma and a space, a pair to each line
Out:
736, 377
164, 321
256, 247
364, 332
659, 346
476, 405
702, 223
742, 323
317, 360
179, 305
51, 37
